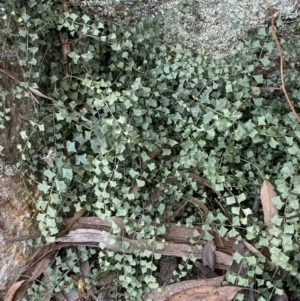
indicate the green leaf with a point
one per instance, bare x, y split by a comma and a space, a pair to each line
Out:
67, 173
49, 174
51, 211
61, 186
262, 31
140, 183
273, 143
43, 187
74, 56
55, 198
23, 135
229, 88
256, 44
144, 156
277, 202
81, 159
71, 147
161, 209
258, 78
239, 133
265, 61
230, 200
86, 18
241, 197
235, 210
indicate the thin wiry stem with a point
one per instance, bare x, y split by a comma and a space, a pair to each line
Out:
271, 14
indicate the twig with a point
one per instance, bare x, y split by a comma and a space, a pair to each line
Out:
257, 253
271, 14
65, 46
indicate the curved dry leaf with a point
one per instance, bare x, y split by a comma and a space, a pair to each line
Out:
204, 182
256, 252
41, 266
38, 93
208, 254
268, 192
178, 287
12, 290
207, 293
201, 206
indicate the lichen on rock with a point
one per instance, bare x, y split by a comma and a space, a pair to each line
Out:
215, 26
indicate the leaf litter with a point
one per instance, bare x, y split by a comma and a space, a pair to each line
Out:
267, 193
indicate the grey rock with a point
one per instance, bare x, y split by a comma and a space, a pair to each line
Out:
215, 26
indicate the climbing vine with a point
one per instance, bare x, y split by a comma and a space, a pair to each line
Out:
127, 126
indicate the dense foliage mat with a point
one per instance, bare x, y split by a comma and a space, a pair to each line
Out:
129, 110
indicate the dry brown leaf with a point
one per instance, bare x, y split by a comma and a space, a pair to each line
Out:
167, 265
12, 290
207, 293
204, 182
41, 265
268, 192
35, 267
256, 252
208, 254
65, 50
175, 288
38, 93
30, 89
200, 205
204, 272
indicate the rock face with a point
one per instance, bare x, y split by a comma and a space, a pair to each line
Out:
16, 220
16, 211
216, 26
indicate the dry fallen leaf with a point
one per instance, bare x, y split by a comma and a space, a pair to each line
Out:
167, 265
31, 90
12, 290
203, 210
41, 265
38, 262
204, 272
38, 93
204, 182
268, 192
208, 254
256, 252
